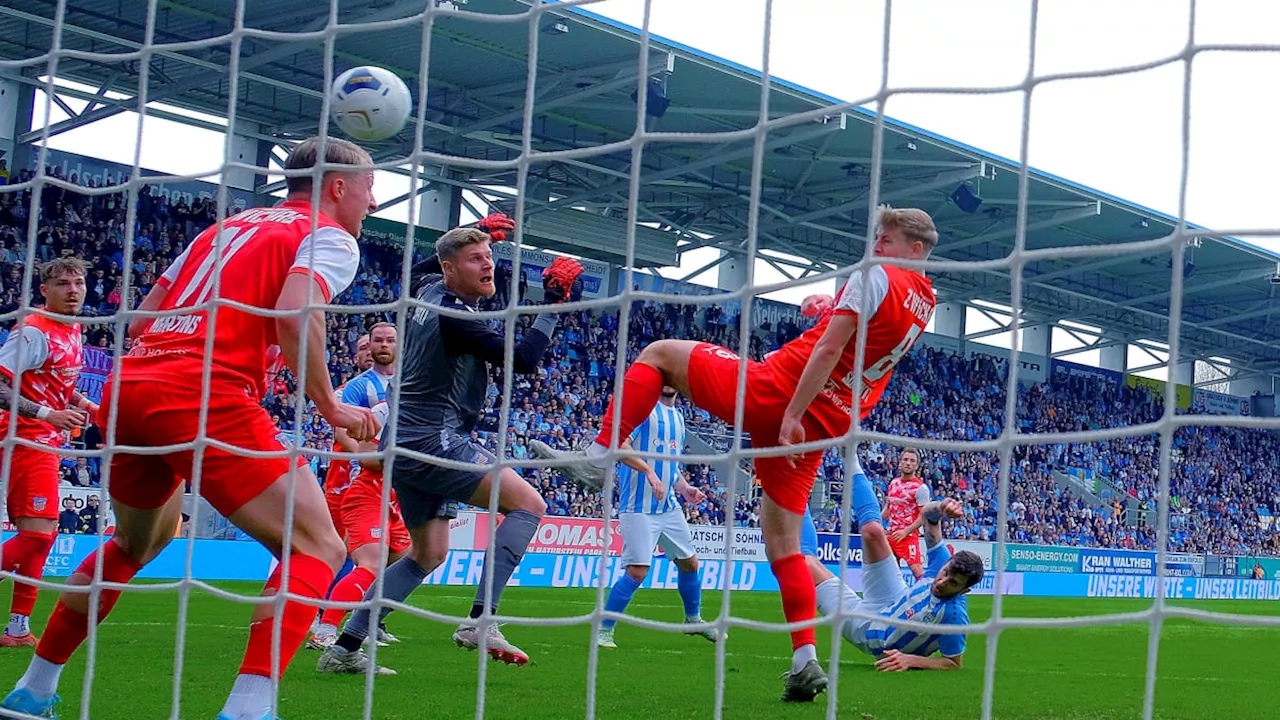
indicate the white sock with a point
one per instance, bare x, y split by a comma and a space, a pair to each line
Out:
323, 629
250, 698
19, 625
596, 455
41, 678
802, 656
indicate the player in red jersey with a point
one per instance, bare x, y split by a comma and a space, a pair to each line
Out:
362, 518
338, 477
907, 494
283, 258
802, 392
42, 357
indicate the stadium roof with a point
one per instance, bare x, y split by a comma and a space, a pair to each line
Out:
816, 175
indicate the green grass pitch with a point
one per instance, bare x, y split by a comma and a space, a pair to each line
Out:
1205, 670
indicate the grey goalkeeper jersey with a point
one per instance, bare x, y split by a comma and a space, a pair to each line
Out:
445, 371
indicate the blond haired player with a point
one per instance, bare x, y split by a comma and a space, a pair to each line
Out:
802, 392
907, 496
280, 258
42, 357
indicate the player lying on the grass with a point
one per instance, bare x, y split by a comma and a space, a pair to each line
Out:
802, 392
650, 516
360, 523
283, 258
42, 357
938, 597
437, 401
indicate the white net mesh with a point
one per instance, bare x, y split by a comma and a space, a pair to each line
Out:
524, 158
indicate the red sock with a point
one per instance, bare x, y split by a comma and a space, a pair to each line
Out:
309, 577
351, 588
68, 628
799, 597
641, 389
26, 553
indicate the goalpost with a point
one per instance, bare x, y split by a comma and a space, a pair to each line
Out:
329, 32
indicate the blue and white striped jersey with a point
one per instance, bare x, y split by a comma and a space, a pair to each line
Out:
920, 605
662, 433
367, 389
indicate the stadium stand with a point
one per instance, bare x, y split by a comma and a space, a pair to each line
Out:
1223, 480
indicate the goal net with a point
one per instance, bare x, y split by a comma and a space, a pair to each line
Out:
593, 153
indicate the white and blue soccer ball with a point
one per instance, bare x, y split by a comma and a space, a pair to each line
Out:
370, 103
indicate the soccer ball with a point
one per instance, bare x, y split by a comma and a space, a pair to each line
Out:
370, 103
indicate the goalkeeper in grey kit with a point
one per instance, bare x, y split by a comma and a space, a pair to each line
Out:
439, 397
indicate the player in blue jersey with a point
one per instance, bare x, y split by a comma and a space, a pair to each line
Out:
937, 598
367, 389
649, 515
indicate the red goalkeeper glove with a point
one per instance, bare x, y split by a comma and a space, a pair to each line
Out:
497, 225
562, 282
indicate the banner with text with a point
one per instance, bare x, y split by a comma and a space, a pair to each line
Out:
462, 567
81, 169
1041, 559
1204, 402
1131, 586
1062, 369
585, 536
1032, 368
97, 366
595, 274
1182, 393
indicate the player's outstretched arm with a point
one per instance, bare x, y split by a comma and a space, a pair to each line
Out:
826, 354
138, 325
932, 515
299, 291
894, 661
560, 283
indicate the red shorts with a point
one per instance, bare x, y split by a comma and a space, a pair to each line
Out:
33, 483
362, 515
151, 414
907, 550
334, 501
713, 384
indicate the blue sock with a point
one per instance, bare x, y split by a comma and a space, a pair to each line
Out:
808, 535
866, 508
347, 567
690, 586
619, 597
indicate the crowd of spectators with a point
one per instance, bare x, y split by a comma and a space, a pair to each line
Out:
1224, 483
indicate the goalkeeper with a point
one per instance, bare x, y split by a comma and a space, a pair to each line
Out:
438, 399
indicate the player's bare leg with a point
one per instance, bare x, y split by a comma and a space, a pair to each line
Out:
917, 569
781, 529
315, 553
523, 507
428, 549
664, 362
25, 554
140, 535
369, 560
